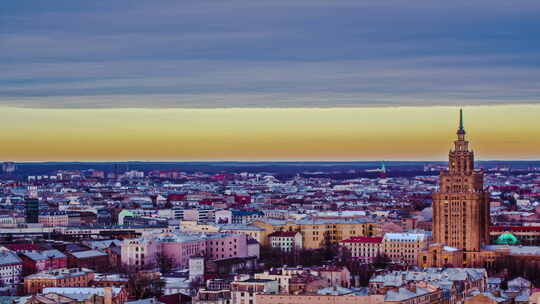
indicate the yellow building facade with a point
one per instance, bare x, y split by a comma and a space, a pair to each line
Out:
315, 232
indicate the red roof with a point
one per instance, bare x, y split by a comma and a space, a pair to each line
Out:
283, 234
363, 239
514, 228
23, 247
176, 197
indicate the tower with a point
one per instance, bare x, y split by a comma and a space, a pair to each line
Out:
460, 206
32, 210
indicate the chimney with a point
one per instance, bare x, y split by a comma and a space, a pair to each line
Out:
107, 295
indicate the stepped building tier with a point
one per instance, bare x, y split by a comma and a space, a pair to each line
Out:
460, 210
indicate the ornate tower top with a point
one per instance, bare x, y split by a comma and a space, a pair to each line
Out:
461, 129
461, 144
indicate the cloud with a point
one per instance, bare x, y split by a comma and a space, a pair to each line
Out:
268, 53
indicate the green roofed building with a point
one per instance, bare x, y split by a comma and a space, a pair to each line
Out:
507, 238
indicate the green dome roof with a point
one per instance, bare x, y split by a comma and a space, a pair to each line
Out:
507, 239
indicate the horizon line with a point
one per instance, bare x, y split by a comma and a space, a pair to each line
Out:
294, 107
258, 161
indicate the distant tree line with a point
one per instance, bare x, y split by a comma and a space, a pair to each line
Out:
329, 254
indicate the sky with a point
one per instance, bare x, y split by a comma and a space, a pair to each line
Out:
267, 80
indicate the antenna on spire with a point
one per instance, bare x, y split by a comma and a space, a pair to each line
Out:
461, 130
461, 120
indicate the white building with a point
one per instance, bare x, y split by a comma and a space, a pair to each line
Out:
285, 240
10, 268
196, 268
404, 247
364, 248
223, 216
244, 289
7, 221
200, 215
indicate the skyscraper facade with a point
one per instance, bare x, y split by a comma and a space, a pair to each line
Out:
461, 206
460, 210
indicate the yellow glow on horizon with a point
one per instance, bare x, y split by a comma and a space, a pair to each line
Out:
389, 133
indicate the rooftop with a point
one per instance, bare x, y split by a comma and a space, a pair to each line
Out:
283, 234
9, 258
88, 254
363, 239
405, 236
80, 293
44, 255
60, 273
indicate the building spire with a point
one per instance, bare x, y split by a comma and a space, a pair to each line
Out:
461, 130
461, 119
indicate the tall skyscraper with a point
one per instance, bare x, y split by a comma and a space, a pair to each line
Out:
460, 209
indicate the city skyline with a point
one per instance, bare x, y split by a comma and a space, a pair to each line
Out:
270, 152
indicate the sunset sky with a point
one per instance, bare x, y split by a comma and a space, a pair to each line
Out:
267, 80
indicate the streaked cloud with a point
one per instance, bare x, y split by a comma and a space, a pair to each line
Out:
145, 54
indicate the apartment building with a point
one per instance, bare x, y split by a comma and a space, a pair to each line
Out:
364, 248
244, 289
10, 268
53, 218
65, 277
286, 241
179, 247
329, 295
404, 247
316, 231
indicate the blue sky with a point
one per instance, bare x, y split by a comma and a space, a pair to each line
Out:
305, 53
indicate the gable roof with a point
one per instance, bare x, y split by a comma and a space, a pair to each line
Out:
43, 255
9, 258
23, 247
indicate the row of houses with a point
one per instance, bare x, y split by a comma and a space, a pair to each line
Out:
398, 247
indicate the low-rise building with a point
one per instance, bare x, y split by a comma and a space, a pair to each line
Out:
334, 275
364, 248
316, 231
285, 241
252, 231
53, 218
329, 295
36, 261
205, 296
10, 268
93, 259
65, 277
282, 278
244, 217
456, 283
112, 295
111, 280
179, 247
420, 293
404, 247
245, 289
